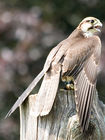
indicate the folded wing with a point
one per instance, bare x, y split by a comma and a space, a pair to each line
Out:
25, 94
86, 88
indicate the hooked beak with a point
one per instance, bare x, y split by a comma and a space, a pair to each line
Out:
98, 26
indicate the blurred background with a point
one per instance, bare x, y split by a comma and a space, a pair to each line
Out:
29, 29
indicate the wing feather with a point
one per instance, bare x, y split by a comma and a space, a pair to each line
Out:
81, 61
24, 95
47, 92
81, 85
51, 55
39, 103
87, 107
83, 99
86, 84
51, 93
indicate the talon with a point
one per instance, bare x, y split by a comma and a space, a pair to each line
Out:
69, 82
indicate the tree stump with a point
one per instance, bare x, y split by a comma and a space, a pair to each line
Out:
62, 122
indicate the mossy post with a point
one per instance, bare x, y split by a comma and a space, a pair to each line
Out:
62, 122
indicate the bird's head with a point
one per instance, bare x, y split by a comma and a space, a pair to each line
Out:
90, 26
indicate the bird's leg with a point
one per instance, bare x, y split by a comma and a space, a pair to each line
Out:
68, 82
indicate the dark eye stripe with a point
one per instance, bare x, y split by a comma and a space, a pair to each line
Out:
88, 21
92, 21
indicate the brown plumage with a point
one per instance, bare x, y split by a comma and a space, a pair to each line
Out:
77, 56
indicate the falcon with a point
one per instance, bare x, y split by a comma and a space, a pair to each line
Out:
75, 61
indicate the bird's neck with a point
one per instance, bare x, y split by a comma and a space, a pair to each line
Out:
77, 33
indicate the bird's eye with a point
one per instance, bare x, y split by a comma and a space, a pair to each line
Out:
92, 21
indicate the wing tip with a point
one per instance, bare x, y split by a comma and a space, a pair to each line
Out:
84, 125
44, 113
8, 114
84, 129
37, 114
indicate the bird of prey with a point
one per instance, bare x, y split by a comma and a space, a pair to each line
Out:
74, 59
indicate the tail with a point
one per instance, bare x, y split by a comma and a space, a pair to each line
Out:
25, 93
47, 93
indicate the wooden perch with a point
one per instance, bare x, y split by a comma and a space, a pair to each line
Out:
62, 122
